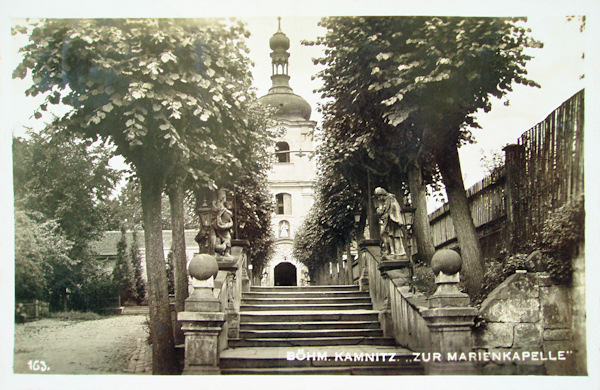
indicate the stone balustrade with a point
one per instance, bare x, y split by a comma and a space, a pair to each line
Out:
440, 324
211, 313
400, 314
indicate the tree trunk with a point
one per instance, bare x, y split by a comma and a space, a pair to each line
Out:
161, 329
176, 195
421, 227
468, 240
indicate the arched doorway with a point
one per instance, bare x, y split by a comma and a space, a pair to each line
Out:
285, 274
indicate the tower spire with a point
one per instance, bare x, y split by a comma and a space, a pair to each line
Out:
280, 44
281, 94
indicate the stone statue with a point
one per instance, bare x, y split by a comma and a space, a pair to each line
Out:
390, 217
284, 229
223, 222
215, 231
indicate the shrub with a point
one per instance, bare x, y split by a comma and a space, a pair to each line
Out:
424, 279
562, 231
501, 267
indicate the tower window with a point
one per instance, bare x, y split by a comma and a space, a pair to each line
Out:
283, 152
284, 203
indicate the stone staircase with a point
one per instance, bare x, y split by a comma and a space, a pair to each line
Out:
312, 330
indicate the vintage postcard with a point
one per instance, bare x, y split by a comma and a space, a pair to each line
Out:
254, 191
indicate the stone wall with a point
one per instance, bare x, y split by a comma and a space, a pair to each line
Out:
533, 319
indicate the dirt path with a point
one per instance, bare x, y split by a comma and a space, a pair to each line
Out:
88, 347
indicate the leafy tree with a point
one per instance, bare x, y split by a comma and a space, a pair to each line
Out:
39, 248
65, 179
255, 207
330, 222
59, 183
122, 275
168, 93
412, 85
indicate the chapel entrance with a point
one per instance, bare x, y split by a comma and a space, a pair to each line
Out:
285, 274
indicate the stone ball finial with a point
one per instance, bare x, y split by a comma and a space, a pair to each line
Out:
447, 261
203, 266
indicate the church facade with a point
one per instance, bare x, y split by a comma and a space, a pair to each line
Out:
292, 177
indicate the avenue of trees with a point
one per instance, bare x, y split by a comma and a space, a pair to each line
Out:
175, 99
400, 97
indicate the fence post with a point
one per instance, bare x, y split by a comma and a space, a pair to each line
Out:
515, 169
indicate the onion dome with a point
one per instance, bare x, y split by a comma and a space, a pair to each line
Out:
281, 96
279, 41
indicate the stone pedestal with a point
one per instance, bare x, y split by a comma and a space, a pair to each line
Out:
202, 320
450, 329
201, 330
397, 268
202, 297
449, 318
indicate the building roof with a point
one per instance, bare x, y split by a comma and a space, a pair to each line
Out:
107, 246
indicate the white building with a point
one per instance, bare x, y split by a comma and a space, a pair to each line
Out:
293, 175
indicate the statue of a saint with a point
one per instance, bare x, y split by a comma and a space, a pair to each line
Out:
390, 217
284, 229
223, 222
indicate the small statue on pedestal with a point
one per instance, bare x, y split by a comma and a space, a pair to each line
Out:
390, 217
215, 230
222, 226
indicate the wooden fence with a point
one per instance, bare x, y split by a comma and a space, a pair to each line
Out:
543, 171
29, 310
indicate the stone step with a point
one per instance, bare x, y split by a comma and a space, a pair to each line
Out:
310, 325
305, 301
305, 333
344, 359
305, 294
303, 288
307, 307
303, 316
343, 370
309, 341
329, 360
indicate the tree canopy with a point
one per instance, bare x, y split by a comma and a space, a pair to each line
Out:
66, 180
404, 91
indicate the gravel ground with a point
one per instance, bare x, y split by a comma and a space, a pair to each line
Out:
79, 347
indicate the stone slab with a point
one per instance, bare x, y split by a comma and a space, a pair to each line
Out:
528, 336
556, 307
557, 334
200, 316
495, 335
518, 309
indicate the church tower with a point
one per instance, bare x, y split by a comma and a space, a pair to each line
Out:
293, 175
